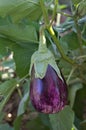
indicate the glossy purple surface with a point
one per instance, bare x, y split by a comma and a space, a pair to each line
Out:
48, 95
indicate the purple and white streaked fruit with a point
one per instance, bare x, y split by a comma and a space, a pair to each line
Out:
49, 94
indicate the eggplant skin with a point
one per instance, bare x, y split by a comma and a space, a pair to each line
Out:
48, 95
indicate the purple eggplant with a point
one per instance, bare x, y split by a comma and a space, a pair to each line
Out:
49, 94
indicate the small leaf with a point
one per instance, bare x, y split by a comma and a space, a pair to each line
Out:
6, 90
23, 103
72, 92
62, 120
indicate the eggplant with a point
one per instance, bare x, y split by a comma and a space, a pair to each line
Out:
49, 94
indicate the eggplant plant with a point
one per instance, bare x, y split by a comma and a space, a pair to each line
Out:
42, 65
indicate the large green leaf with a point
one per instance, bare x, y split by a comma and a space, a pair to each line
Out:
20, 9
22, 57
22, 54
62, 120
6, 90
18, 32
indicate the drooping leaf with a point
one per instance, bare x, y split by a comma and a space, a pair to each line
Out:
72, 92
6, 90
24, 102
62, 120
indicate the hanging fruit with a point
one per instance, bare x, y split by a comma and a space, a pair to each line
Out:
48, 89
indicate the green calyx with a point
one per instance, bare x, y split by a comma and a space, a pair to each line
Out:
42, 58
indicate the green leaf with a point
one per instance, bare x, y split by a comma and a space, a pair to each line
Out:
72, 92
79, 104
20, 9
22, 57
5, 127
45, 119
17, 123
82, 8
22, 54
76, 1
36, 124
6, 90
4, 43
24, 102
69, 41
18, 32
62, 120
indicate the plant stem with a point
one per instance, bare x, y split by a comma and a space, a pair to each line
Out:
81, 57
78, 34
19, 92
65, 14
54, 12
45, 13
71, 73
51, 31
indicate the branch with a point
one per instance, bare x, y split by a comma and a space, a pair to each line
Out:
51, 31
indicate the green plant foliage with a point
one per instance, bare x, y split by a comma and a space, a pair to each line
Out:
38, 125
22, 57
18, 32
24, 101
6, 90
69, 41
17, 122
20, 9
72, 92
60, 121
76, 1
82, 8
5, 127
80, 99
